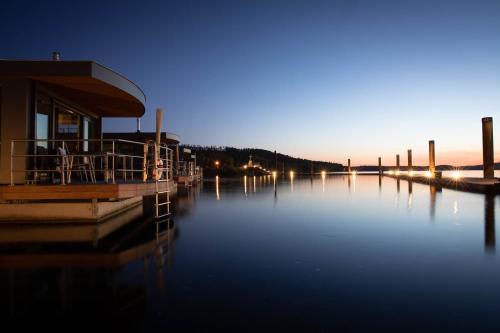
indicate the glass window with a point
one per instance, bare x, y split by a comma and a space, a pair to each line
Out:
68, 125
86, 134
42, 130
43, 110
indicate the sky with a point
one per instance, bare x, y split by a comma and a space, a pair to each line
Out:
326, 80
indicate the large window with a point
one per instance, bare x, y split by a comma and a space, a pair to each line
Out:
43, 112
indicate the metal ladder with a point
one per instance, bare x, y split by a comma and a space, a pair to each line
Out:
160, 172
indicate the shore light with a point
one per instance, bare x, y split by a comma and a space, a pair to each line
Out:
397, 172
428, 174
456, 175
390, 172
323, 173
291, 174
411, 173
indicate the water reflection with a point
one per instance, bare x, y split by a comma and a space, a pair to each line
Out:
217, 193
489, 223
433, 190
245, 184
337, 246
323, 178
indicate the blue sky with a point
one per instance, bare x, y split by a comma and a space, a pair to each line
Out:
318, 79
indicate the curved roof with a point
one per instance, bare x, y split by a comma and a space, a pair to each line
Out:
87, 83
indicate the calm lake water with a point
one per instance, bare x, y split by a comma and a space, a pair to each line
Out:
353, 253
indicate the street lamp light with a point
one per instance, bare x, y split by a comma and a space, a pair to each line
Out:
217, 166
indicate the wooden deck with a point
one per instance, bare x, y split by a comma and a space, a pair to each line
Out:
466, 184
80, 191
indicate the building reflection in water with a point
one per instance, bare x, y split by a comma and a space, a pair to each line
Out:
254, 184
398, 184
380, 182
51, 277
489, 223
217, 193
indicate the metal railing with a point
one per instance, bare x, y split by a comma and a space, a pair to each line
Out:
187, 168
105, 159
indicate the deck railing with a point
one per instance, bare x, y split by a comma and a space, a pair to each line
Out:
103, 159
187, 168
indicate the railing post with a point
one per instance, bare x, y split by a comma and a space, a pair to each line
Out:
145, 163
12, 162
113, 162
63, 171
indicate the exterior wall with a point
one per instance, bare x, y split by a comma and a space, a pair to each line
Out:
16, 122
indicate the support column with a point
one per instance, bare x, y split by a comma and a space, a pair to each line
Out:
349, 165
177, 159
380, 165
432, 157
410, 162
488, 157
397, 162
157, 142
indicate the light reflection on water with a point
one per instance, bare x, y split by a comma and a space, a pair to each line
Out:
322, 253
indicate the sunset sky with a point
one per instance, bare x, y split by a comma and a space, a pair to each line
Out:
324, 80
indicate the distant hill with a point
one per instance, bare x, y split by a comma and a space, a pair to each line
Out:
232, 159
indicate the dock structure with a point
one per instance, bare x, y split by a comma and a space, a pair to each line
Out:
466, 184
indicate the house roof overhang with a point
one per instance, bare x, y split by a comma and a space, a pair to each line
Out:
87, 83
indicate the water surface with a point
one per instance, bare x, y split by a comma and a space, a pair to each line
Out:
354, 253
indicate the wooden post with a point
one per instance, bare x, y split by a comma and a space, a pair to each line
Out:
397, 162
158, 141
349, 165
275, 161
380, 165
410, 162
177, 158
488, 157
432, 157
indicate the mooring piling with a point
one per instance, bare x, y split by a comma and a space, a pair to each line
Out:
432, 157
488, 156
410, 162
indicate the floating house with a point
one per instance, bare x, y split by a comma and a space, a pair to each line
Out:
54, 161
184, 168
